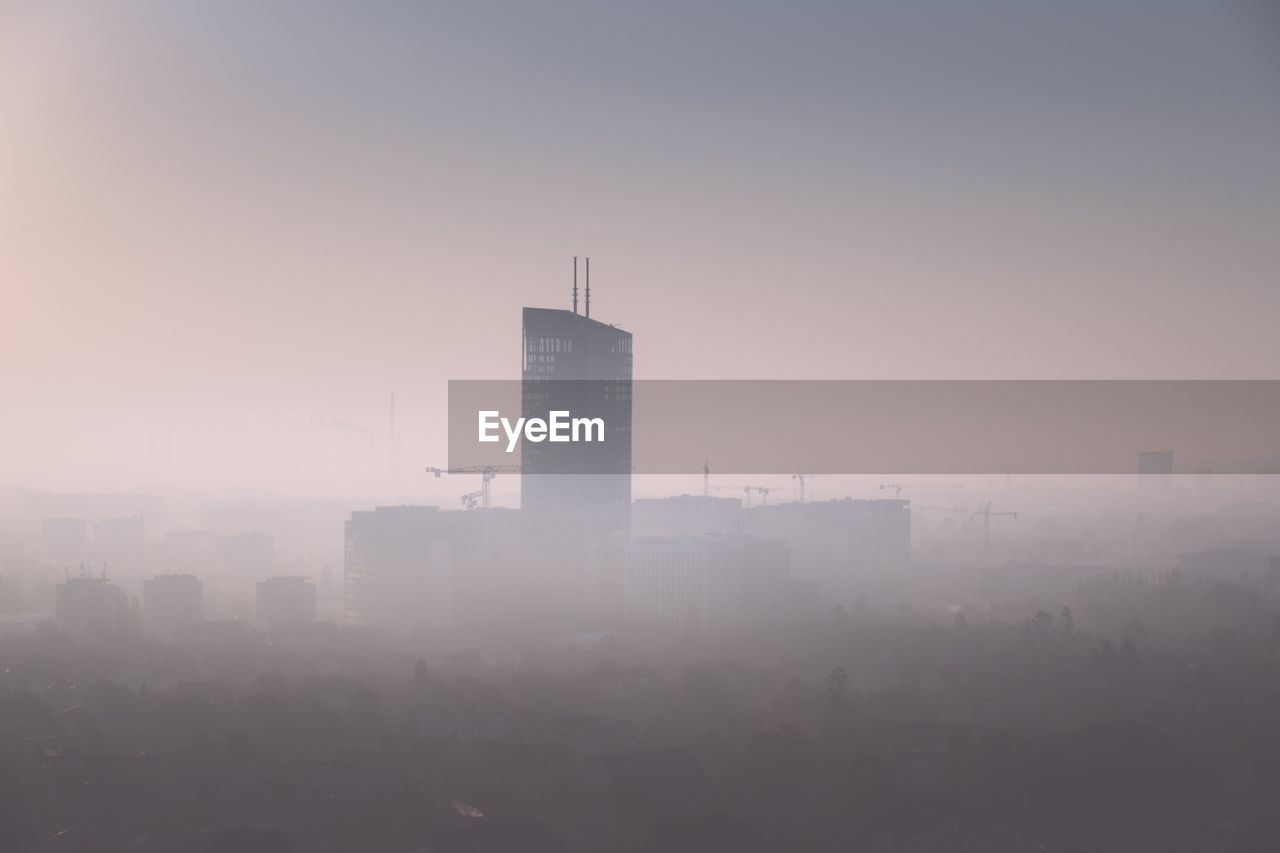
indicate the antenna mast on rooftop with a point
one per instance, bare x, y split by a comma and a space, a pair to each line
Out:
575, 284
588, 288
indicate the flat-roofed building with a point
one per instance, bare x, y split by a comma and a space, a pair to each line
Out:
686, 515
89, 606
398, 568
704, 582
285, 601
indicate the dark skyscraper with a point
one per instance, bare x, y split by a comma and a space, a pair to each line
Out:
576, 364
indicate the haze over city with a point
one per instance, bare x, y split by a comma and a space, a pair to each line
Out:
264, 587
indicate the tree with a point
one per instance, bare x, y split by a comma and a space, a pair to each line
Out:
837, 686
1067, 622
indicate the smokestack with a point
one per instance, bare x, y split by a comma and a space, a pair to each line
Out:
575, 284
588, 288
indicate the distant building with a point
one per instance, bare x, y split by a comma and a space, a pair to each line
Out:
119, 541
192, 551
847, 545
679, 516
64, 541
226, 562
172, 604
411, 568
286, 601
392, 556
704, 582
89, 606
398, 567
1252, 562
686, 515
253, 552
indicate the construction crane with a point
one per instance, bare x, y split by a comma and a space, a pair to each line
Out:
898, 487
746, 490
762, 491
486, 472
985, 511
800, 480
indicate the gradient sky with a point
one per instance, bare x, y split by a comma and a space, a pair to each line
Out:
223, 221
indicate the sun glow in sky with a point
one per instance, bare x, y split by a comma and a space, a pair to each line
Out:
222, 221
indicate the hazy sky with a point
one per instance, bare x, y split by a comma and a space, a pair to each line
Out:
220, 221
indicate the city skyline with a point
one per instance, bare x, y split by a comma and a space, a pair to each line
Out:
592, 426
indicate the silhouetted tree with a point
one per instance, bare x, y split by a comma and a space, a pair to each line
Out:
1067, 622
